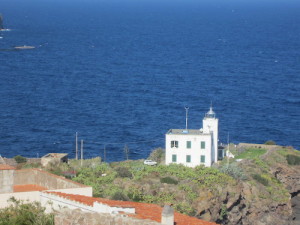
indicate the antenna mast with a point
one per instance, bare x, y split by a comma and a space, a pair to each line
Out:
186, 117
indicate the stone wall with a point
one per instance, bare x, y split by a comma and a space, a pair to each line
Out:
78, 217
12, 161
249, 145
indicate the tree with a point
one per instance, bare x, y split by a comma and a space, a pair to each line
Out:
20, 159
157, 155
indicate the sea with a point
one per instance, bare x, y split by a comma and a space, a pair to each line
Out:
120, 73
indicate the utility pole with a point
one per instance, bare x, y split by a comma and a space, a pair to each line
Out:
104, 153
126, 150
76, 146
81, 148
227, 149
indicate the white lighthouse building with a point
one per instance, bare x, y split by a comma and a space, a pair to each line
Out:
192, 147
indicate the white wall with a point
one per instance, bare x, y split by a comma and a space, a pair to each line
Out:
212, 125
195, 151
87, 191
25, 196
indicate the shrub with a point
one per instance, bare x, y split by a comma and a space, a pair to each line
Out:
234, 171
120, 196
261, 179
25, 213
168, 180
123, 172
293, 159
20, 159
270, 142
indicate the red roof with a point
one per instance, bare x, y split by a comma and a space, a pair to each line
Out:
142, 210
28, 187
6, 167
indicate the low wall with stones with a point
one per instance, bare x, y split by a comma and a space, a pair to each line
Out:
68, 217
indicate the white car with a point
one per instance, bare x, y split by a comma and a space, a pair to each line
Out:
150, 162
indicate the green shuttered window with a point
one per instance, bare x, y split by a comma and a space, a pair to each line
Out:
188, 158
202, 160
202, 144
188, 144
174, 158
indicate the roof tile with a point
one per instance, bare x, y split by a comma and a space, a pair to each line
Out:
142, 210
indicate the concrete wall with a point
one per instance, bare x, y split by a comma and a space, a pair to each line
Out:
6, 181
36, 195
45, 179
26, 196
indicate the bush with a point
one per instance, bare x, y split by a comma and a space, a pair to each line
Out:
20, 159
293, 159
120, 196
168, 180
123, 172
234, 171
270, 142
261, 179
25, 213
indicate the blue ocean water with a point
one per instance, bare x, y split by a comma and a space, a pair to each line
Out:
121, 72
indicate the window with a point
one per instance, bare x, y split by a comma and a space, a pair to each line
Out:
174, 144
202, 160
188, 144
188, 158
202, 144
174, 158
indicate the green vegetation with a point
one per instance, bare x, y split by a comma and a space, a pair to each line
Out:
132, 180
251, 153
293, 159
168, 180
123, 172
25, 214
20, 159
270, 142
234, 171
261, 179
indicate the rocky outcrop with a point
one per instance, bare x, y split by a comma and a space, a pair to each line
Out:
239, 206
250, 202
290, 177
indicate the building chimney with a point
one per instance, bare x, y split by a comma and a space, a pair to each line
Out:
167, 216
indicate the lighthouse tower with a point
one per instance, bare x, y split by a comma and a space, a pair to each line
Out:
211, 125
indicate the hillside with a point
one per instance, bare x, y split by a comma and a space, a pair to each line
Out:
261, 187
